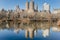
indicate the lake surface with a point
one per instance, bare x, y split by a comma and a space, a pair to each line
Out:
16, 31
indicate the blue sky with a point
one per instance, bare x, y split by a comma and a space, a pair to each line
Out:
10, 4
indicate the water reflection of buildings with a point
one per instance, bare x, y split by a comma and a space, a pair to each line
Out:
30, 28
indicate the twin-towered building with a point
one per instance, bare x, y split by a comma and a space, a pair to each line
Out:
30, 7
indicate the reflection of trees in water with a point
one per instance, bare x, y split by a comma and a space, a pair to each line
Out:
43, 25
36, 25
31, 27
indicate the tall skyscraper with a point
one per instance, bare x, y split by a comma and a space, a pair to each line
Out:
32, 4
27, 5
46, 7
36, 7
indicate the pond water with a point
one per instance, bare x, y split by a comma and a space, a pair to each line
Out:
16, 31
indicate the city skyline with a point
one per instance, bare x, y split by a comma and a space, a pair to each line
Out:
10, 4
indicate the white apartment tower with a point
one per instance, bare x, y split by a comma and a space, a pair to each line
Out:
36, 7
46, 7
